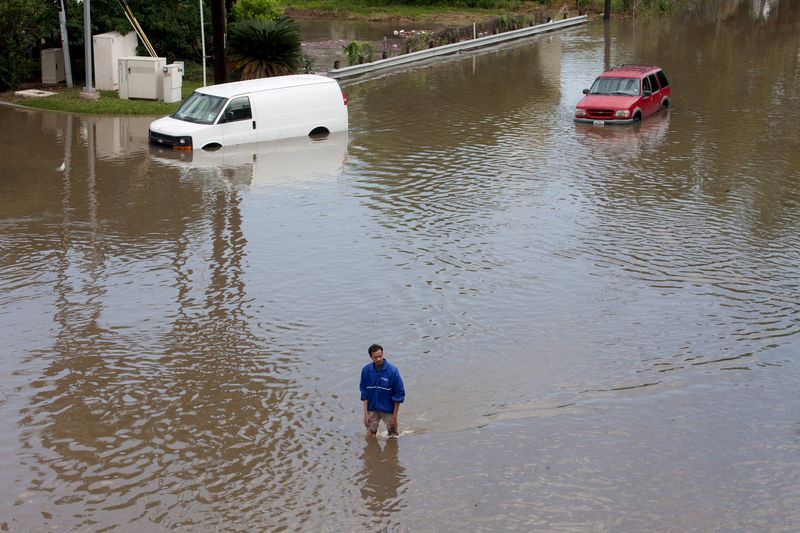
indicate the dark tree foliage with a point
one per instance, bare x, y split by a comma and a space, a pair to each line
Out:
173, 27
24, 24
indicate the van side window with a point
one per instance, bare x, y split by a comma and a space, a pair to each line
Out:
238, 109
653, 82
662, 79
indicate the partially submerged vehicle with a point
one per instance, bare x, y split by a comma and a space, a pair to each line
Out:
624, 95
251, 111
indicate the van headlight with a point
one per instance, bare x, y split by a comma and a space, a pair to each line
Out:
183, 143
580, 112
622, 113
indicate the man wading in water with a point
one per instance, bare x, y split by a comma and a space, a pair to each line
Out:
382, 392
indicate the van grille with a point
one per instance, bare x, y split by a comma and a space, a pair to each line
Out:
164, 140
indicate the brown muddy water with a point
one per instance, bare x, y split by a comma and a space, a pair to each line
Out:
599, 328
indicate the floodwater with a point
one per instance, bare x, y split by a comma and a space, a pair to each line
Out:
324, 40
598, 328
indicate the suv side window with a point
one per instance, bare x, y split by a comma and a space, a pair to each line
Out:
646, 85
238, 109
653, 82
662, 79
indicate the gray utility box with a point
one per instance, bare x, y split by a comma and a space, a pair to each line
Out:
173, 81
141, 77
53, 66
107, 49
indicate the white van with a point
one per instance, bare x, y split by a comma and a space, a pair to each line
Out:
249, 111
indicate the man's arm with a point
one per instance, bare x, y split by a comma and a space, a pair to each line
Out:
366, 414
394, 414
398, 395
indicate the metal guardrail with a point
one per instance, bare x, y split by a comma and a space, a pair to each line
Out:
471, 44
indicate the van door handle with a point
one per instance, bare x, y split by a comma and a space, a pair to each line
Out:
254, 124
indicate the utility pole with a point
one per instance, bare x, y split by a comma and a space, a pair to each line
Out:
203, 41
218, 16
62, 21
607, 10
88, 92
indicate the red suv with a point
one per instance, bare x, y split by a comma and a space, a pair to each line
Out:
624, 94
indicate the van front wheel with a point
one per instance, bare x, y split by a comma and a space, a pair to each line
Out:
320, 132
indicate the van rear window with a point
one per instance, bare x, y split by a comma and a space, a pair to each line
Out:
200, 108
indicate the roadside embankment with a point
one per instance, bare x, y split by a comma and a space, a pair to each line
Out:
456, 47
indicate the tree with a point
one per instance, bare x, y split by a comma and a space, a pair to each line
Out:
264, 48
24, 24
173, 28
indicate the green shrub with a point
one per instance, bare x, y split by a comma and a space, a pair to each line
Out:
256, 10
420, 41
358, 52
264, 48
503, 24
307, 64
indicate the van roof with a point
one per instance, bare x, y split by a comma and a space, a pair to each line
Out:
234, 88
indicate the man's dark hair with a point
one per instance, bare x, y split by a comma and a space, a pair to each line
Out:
374, 348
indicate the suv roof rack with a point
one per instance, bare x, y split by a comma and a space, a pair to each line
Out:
641, 68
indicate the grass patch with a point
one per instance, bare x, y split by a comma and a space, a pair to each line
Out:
109, 103
455, 13
459, 12
69, 100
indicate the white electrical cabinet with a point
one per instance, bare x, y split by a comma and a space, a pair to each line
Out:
141, 77
173, 82
107, 49
53, 66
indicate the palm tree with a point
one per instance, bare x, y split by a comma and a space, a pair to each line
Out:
264, 48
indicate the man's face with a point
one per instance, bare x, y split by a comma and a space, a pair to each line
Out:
377, 358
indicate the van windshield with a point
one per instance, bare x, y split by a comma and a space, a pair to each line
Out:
200, 108
621, 86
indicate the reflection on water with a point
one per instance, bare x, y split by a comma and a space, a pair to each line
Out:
381, 479
597, 326
291, 161
629, 143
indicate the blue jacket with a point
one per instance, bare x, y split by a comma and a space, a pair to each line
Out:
381, 388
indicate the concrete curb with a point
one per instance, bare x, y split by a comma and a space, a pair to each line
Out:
472, 44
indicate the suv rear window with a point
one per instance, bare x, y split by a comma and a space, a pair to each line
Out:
662, 79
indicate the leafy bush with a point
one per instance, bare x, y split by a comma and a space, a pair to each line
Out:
503, 23
256, 10
417, 42
264, 48
482, 4
358, 52
307, 64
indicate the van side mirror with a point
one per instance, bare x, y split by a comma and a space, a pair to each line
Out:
227, 116
586, 91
